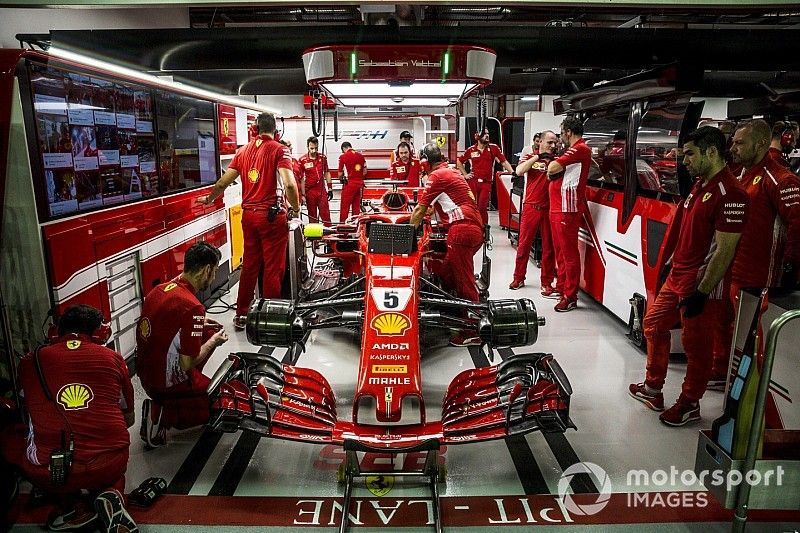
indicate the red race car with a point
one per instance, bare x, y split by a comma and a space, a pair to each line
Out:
378, 280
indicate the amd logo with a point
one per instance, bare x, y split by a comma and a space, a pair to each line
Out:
391, 346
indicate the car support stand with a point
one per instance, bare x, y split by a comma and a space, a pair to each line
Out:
350, 469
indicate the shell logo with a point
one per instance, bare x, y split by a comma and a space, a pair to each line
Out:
390, 324
252, 175
706, 196
75, 396
73, 345
169, 286
144, 328
358, 168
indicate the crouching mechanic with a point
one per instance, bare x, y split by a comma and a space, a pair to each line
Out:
448, 193
79, 400
174, 339
696, 290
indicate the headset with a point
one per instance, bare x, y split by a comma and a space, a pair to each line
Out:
100, 335
786, 135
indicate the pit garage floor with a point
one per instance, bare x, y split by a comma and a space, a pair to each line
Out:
237, 482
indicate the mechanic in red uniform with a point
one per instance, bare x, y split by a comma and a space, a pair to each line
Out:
406, 167
405, 137
567, 189
696, 290
313, 174
86, 411
449, 194
769, 250
482, 156
268, 180
352, 171
783, 141
536, 215
174, 339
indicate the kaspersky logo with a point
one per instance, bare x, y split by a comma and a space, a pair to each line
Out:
75, 396
390, 324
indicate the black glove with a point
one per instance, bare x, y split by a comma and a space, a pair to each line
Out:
556, 176
694, 304
343, 180
546, 157
330, 195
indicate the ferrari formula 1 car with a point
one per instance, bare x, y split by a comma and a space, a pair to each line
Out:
380, 279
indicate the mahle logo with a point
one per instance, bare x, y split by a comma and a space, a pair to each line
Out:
601, 479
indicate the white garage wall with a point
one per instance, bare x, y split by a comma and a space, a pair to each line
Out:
22, 20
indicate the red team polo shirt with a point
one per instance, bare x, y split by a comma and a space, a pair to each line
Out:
258, 163
91, 386
313, 170
171, 324
720, 205
406, 171
354, 163
568, 194
536, 183
451, 196
772, 235
482, 163
777, 156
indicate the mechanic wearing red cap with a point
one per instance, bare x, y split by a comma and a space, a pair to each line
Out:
696, 291
482, 156
783, 141
356, 170
406, 167
449, 194
174, 339
268, 181
568, 174
313, 175
769, 250
536, 215
79, 400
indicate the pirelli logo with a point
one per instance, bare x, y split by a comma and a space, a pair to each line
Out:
389, 369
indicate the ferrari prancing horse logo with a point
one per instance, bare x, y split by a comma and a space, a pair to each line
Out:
380, 485
390, 324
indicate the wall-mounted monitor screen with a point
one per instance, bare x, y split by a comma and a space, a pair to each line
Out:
103, 141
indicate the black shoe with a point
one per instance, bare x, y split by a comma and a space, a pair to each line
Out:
111, 510
151, 431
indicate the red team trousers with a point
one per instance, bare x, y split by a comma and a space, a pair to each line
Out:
697, 334
96, 472
457, 270
351, 199
564, 227
264, 245
317, 203
533, 220
483, 193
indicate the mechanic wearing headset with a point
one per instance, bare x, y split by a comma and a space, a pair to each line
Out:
353, 179
313, 175
448, 193
482, 156
783, 141
568, 174
405, 167
696, 290
268, 180
769, 249
536, 215
79, 400
174, 339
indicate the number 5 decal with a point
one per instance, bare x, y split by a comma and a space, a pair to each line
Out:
391, 299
